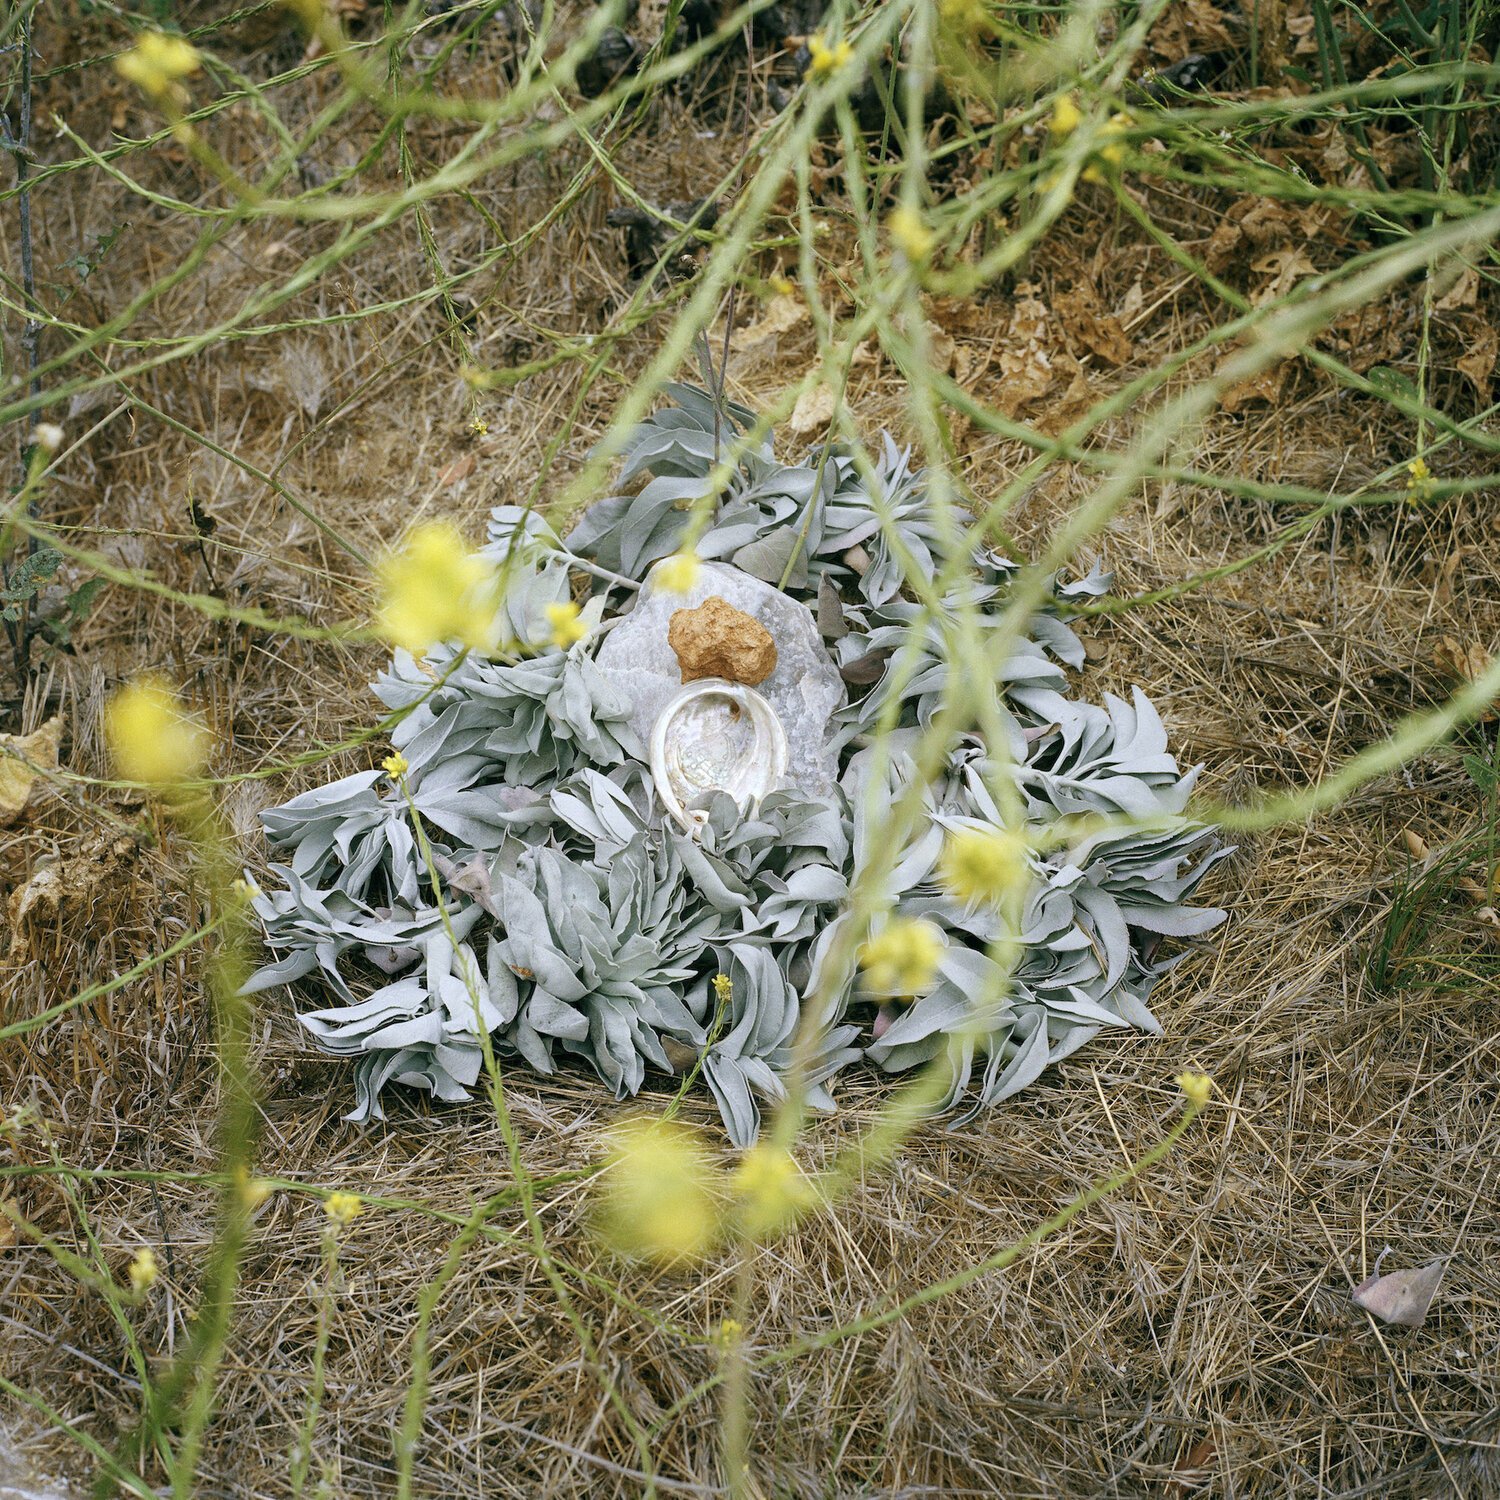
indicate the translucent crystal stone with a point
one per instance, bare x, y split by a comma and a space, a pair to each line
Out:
803, 692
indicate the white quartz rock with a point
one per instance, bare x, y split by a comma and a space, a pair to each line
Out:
804, 691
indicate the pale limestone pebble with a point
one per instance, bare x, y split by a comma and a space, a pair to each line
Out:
804, 689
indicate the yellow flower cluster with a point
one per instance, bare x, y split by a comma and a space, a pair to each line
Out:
827, 60
395, 765
436, 590
910, 234
770, 1189
902, 958
157, 64
1067, 117
342, 1208
150, 738
1197, 1087
664, 1199
678, 573
660, 1199
143, 1269
729, 1333
964, 16
982, 866
1421, 483
567, 628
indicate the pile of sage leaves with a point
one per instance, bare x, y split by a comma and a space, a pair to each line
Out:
522, 883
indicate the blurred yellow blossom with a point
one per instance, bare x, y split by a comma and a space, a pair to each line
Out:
678, 573
729, 1333
310, 12
1197, 1087
567, 628
253, 1191
1111, 155
150, 738
909, 234
782, 286
395, 765
723, 988
143, 1269
825, 59
983, 864
436, 590
157, 64
658, 1198
1066, 116
964, 15
770, 1189
902, 958
342, 1208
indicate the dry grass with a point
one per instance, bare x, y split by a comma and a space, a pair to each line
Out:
1191, 1335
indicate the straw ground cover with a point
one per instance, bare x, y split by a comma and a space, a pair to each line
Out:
1199, 335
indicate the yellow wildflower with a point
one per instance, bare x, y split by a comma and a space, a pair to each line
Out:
157, 64
910, 235
395, 765
1197, 1087
342, 1208
658, 1199
479, 427
1066, 116
827, 60
723, 988
770, 1189
245, 890
964, 15
143, 1269
150, 738
436, 590
902, 958
729, 1333
253, 1191
781, 286
678, 573
1110, 155
983, 864
309, 12
567, 628
1420, 485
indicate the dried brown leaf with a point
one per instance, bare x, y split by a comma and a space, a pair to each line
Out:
1479, 363
22, 758
814, 410
458, 470
1401, 1297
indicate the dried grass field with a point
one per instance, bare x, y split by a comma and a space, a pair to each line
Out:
367, 278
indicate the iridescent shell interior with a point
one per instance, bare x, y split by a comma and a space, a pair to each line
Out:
715, 736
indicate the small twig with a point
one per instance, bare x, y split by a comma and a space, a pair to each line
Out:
574, 561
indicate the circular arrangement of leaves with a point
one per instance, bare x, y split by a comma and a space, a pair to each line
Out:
541, 896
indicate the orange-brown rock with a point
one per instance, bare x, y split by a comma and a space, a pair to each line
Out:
718, 640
